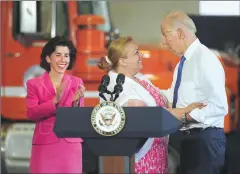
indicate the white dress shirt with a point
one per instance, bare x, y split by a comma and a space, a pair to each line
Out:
203, 80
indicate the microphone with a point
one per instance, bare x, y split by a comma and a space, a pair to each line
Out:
103, 86
118, 87
120, 79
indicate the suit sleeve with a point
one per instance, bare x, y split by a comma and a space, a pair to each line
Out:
36, 111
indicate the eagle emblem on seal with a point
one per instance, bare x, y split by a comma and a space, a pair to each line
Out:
108, 119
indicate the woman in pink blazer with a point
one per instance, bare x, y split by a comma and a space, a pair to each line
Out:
45, 93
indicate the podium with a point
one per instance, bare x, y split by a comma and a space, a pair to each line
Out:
116, 152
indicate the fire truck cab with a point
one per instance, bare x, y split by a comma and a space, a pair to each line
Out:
26, 27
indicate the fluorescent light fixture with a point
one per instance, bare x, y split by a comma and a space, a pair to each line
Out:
219, 8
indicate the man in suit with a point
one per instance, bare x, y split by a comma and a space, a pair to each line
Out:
198, 77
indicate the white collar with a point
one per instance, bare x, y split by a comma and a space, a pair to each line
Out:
191, 49
113, 76
130, 83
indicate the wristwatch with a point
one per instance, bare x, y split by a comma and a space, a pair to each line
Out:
184, 120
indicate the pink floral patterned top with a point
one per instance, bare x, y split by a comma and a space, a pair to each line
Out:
156, 160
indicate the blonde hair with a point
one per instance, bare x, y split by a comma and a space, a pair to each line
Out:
181, 18
116, 50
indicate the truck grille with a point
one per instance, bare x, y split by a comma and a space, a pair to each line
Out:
18, 142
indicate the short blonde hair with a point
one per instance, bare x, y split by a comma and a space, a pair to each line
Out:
181, 18
116, 50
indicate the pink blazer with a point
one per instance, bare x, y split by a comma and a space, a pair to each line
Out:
40, 107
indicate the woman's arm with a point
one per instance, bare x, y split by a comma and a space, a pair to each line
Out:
134, 103
36, 111
180, 112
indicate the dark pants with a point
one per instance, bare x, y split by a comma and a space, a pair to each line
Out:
202, 151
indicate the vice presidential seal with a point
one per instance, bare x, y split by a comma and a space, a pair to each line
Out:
108, 118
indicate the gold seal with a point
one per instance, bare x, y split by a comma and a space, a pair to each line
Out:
108, 118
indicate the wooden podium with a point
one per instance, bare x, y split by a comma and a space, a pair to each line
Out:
116, 153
